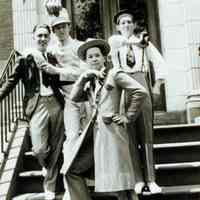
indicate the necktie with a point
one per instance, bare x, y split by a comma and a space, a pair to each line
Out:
130, 57
45, 76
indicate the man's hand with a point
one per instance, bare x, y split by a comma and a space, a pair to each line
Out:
49, 68
53, 7
91, 73
144, 39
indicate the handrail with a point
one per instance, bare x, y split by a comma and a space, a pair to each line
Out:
10, 106
12, 56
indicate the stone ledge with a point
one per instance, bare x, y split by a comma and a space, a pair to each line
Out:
167, 118
12, 164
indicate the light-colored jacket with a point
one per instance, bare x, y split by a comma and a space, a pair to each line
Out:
113, 162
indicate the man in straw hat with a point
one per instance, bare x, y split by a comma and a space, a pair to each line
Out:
102, 87
132, 53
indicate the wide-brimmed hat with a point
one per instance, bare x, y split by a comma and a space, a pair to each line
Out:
121, 13
89, 43
63, 18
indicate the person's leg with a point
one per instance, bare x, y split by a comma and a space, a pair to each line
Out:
127, 195
72, 119
134, 148
49, 183
55, 141
39, 132
136, 159
145, 135
145, 129
75, 188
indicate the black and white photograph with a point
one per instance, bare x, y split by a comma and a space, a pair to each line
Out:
99, 100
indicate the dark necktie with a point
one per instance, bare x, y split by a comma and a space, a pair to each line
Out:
130, 57
45, 76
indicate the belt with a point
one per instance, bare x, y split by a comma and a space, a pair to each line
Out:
47, 98
66, 83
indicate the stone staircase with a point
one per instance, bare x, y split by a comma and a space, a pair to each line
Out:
177, 159
177, 165
30, 179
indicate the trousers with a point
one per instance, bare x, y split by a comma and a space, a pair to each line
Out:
141, 135
76, 189
47, 135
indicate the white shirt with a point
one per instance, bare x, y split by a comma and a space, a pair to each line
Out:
67, 57
119, 49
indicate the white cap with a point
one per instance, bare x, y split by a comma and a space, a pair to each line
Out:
62, 18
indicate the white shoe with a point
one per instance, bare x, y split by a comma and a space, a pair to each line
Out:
154, 188
50, 195
44, 171
138, 187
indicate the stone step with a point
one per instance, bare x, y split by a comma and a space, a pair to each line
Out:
176, 133
176, 145
30, 162
174, 174
177, 154
31, 174
183, 192
35, 196
33, 180
181, 189
40, 196
171, 166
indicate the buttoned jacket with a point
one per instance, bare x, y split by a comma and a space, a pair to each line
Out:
27, 71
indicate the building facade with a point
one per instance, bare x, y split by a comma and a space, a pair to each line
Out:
173, 26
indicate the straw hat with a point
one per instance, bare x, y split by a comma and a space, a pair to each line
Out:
102, 44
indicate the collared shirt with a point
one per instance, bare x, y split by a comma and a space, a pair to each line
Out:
119, 52
67, 57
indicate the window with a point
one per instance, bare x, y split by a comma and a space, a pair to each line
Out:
86, 18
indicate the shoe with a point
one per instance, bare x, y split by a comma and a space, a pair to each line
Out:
50, 195
44, 171
138, 187
154, 188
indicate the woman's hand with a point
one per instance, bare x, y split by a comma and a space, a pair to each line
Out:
120, 119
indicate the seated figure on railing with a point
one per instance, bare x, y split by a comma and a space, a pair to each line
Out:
43, 104
132, 53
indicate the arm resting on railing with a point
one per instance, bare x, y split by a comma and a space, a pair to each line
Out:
13, 79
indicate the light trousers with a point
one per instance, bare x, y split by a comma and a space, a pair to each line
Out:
47, 134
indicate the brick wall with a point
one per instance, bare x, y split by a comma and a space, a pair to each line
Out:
6, 29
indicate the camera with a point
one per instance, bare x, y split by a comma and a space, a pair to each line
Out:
145, 38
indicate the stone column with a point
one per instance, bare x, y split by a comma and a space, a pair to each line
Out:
24, 18
180, 38
6, 27
193, 34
